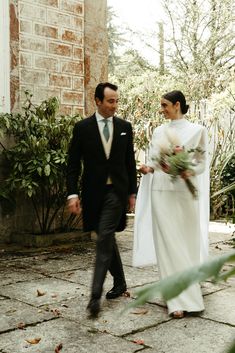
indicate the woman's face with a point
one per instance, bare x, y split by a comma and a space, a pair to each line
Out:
168, 109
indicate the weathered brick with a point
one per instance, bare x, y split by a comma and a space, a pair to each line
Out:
58, 18
24, 88
71, 36
25, 26
78, 83
45, 62
77, 23
72, 97
52, 3
31, 43
65, 109
32, 76
78, 53
25, 59
60, 80
60, 49
42, 93
72, 6
72, 67
46, 31
78, 111
32, 12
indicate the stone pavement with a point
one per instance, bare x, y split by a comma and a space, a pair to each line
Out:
44, 293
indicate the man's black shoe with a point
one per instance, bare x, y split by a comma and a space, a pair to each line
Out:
94, 307
116, 291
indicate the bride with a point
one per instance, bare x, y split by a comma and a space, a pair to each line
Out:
171, 226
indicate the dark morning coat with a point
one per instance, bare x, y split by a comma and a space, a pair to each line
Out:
87, 158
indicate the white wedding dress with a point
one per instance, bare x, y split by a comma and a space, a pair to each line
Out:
171, 227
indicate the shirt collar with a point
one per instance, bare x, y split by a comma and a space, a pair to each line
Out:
99, 117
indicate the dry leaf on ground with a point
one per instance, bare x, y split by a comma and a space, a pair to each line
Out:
34, 340
127, 294
138, 341
40, 293
139, 311
58, 348
21, 325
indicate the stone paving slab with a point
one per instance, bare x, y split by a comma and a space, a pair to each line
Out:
134, 276
210, 287
13, 275
13, 313
52, 291
74, 338
217, 308
47, 265
63, 275
187, 335
113, 319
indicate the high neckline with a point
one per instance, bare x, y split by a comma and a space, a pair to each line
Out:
177, 122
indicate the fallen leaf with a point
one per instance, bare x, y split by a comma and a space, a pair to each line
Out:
34, 340
39, 293
138, 341
56, 312
126, 294
139, 311
58, 348
21, 325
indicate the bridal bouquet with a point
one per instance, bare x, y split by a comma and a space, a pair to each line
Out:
176, 161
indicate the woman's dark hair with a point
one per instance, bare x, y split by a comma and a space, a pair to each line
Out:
99, 91
177, 96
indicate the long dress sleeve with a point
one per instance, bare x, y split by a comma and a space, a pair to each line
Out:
199, 158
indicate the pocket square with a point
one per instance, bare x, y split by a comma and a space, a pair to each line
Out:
123, 133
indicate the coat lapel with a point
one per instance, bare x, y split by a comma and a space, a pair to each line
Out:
116, 134
96, 135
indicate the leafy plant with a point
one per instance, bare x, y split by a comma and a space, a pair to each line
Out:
172, 286
38, 156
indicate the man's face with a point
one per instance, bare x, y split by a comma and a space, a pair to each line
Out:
108, 106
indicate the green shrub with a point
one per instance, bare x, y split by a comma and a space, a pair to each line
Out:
37, 158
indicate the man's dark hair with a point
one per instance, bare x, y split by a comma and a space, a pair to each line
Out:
99, 91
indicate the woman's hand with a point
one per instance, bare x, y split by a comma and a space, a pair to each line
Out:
144, 169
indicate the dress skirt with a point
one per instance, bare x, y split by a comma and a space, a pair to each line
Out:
176, 229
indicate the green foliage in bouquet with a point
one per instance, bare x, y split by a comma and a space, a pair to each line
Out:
36, 161
178, 163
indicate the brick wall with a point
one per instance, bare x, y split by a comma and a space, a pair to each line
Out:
58, 47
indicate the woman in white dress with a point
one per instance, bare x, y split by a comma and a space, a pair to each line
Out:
171, 226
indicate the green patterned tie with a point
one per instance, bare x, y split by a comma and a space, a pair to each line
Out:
106, 129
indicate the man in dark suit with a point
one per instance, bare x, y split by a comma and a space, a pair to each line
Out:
102, 152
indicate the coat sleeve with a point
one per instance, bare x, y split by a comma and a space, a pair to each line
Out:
74, 161
131, 164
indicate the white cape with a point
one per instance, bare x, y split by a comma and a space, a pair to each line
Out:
144, 253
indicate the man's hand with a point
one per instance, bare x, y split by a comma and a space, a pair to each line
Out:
74, 206
132, 202
144, 169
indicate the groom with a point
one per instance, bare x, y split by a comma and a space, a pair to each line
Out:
101, 151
